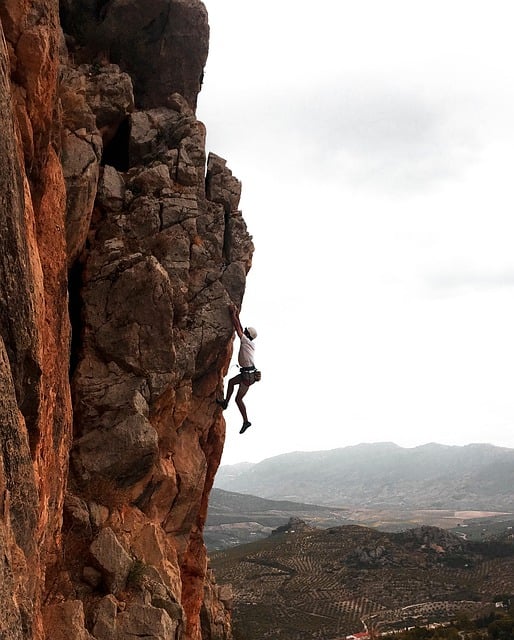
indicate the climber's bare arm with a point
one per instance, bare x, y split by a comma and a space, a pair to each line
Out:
234, 314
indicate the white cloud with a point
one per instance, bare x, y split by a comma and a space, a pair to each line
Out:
464, 282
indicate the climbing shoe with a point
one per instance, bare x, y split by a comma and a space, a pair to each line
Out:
222, 403
245, 426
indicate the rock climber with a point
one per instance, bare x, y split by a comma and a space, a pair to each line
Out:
248, 372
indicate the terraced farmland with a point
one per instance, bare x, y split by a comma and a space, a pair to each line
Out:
323, 583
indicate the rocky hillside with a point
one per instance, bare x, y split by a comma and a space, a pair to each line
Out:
304, 583
121, 248
383, 475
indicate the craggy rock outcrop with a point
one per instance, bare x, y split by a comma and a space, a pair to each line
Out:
121, 248
162, 44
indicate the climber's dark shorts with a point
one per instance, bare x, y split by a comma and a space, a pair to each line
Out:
249, 375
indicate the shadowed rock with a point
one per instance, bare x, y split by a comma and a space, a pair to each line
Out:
162, 44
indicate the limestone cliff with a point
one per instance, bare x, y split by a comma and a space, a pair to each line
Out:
121, 247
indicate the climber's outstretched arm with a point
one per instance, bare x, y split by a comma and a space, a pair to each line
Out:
234, 314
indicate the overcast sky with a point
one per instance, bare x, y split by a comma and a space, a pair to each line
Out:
375, 144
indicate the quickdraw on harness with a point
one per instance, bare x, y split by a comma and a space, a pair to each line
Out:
250, 375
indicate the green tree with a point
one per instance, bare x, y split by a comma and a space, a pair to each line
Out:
502, 629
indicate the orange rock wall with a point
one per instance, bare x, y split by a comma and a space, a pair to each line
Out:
37, 333
109, 371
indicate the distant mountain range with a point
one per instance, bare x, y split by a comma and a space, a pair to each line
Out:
383, 475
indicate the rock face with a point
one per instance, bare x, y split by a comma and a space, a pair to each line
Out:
121, 248
162, 44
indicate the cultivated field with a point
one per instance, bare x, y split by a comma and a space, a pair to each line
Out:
309, 583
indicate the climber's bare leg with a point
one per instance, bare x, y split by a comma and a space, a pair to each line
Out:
241, 392
231, 384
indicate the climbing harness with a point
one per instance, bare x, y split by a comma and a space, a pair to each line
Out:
249, 375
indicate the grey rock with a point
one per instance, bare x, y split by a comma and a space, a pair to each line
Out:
77, 513
111, 189
153, 180
111, 621
104, 619
170, 36
226, 596
171, 158
124, 453
146, 621
99, 514
178, 103
77, 156
109, 95
179, 207
176, 139
141, 342
173, 34
172, 608
144, 138
72, 92
144, 218
221, 186
186, 170
112, 395
80, 161
238, 244
215, 613
234, 279
112, 559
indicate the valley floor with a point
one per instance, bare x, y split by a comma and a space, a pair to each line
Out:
328, 584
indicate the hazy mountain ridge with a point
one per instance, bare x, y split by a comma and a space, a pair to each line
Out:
224, 502
236, 518
475, 476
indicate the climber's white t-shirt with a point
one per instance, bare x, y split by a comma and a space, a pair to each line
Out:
246, 351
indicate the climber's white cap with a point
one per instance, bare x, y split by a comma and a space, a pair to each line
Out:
251, 332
